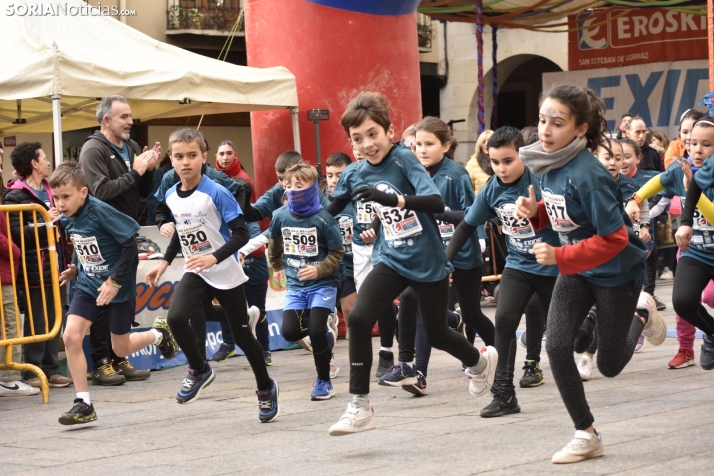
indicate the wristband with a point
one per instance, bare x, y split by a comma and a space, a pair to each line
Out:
638, 200
114, 283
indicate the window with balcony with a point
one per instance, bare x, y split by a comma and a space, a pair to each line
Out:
204, 17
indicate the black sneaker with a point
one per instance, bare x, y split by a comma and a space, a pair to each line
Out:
661, 306
80, 413
167, 345
104, 374
533, 375
386, 362
503, 404
418, 388
268, 409
223, 352
706, 359
586, 334
268, 358
399, 375
194, 383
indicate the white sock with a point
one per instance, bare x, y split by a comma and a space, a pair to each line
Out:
480, 365
85, 397
157, 335
386, 349
361, 401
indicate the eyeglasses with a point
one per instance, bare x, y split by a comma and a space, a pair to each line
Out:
43, 158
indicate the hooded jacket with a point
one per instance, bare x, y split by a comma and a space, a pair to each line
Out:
19, 193
236, 171
108, 178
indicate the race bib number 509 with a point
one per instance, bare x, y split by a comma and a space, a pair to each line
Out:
300, 241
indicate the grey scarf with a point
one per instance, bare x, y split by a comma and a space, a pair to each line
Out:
541, 162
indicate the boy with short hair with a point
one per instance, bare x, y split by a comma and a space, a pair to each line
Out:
308, 240
210, 230
105, 246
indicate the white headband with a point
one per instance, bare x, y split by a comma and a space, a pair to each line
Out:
683, 114
705, 122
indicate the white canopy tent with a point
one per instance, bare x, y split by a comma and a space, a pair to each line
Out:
56, 68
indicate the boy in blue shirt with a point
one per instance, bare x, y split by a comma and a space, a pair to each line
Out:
105, 245
306, 246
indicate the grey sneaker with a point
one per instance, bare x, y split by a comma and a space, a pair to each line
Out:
584, 446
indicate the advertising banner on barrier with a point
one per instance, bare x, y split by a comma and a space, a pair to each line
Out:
625, 37
660, 93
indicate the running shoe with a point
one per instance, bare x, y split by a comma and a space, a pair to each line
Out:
334, 369
481, 382
419, 388
585, 368
661, 306
532, 375
386, 362
503, 404
253, 318
398, 376
584, 446
268, 358
268, 409
224, 352
666, 275
655, 330
683, 359
523, 340
706, 359
586, 334
322, 390
461, 328
332, 321
641, 344
353, 420
194, 383
80, 413
167, 345
17, 389
305, 343
124, 367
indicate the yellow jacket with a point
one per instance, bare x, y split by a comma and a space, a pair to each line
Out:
478, 176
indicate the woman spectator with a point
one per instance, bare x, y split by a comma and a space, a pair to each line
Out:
479, 166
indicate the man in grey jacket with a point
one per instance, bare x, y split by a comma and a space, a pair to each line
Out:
120, 174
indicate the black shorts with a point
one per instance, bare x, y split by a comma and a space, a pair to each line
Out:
120, 314
348, 286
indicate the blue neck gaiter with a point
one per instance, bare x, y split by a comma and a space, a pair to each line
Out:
694, 169
304, 202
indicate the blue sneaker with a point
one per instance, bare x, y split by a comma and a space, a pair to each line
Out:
268, 404
398, 376
194, 383
322, 390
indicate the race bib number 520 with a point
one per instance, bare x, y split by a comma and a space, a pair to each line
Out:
194, 240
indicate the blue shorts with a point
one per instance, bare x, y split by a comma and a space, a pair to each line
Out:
120, 314
322, 296
348, 287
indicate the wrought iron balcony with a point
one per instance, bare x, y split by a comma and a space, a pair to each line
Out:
204, 17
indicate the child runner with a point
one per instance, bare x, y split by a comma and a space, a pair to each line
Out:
522, 276
601, 261
105, 245
433, 142
412, 254
210, 230
306, 247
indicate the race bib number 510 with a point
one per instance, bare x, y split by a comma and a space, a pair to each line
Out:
558, 213
87, 250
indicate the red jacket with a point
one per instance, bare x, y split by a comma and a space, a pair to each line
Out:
236, 171
5, 274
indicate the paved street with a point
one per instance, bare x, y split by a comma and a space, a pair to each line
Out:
654, 421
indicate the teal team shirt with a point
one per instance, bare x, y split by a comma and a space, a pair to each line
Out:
496, 200
306, 241
411, 243
256, 267
583, 200
97, 233
456, 188
348, 227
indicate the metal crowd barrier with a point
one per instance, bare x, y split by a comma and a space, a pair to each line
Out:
26, 243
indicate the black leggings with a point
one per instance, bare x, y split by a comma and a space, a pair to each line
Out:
387, 326
536, 315
379, 289
298, 324
619, 330
515, 292
689, 283
191, 293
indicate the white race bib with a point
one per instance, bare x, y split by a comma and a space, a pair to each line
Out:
446, 230
366, 212
398, 222
194, 240
513, 225
347, 229
699, 221
300, 241
558, 213
87, 250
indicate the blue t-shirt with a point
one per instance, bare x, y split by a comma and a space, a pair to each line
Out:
457, 190
306, 241
272, 199
346, 220
496, 200
362, 214
412, 245
641, 177
97, 232
582, 201
42, 195
256, 267
123, 153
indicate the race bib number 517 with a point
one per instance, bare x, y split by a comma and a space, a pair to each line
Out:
558, 213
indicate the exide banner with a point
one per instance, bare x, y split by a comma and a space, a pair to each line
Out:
637, 36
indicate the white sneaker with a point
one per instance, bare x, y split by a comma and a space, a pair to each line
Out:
585, 367
17, 389
332, 321
584, 446
666, 274
253, 318
655, 330
305, 343
354, 420
480, 383
334, 369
